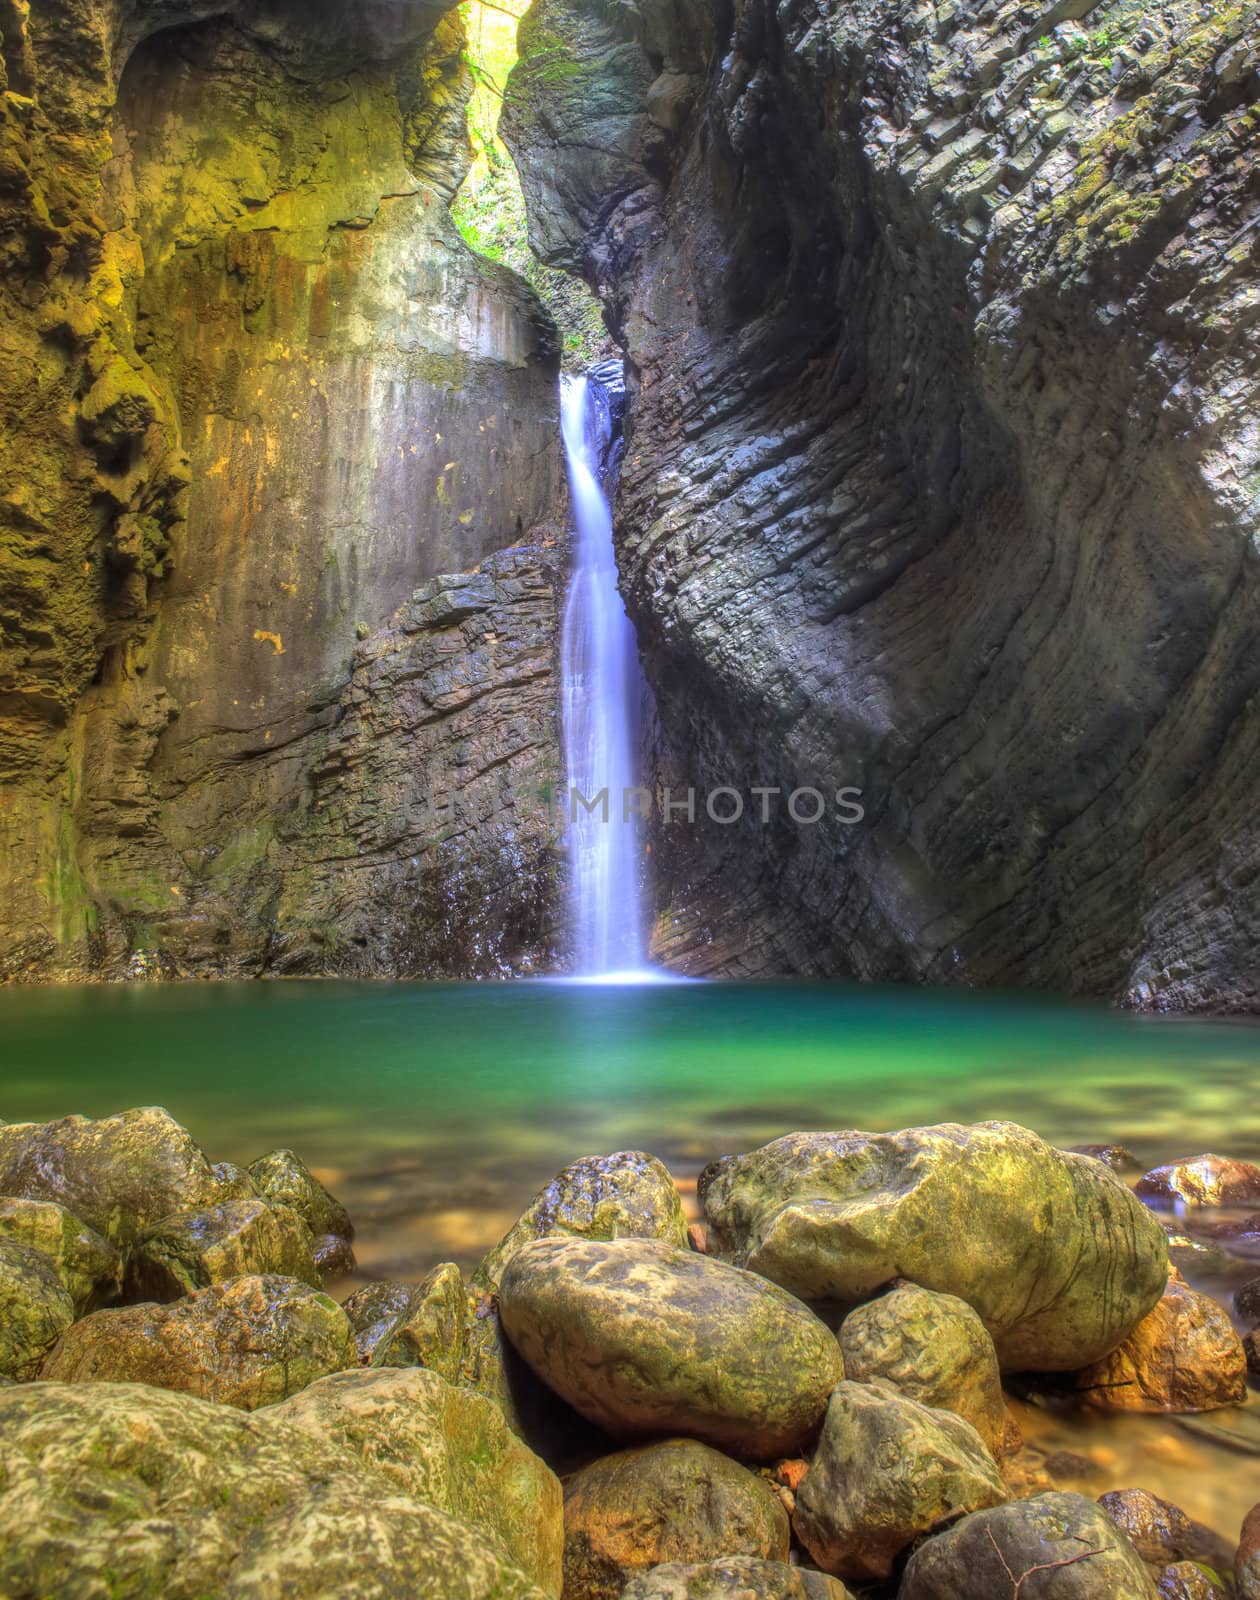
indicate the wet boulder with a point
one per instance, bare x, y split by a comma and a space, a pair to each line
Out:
1247, 1301
1116, 1156
248, 1343
118, 1174
1247, 1559
284, 1179
1075, 1549
443, 1445
1161, 1533
1189, 1580
676, 1501
118, 1487
1051, 1249
239, 1238
734, 1578
914, 1467
1202, 1181
35, 1308
1183, 1356
934, 1349
411, 1324
87, 1264
643, 1338
628, 1195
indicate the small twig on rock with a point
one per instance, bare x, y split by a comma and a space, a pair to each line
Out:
1045, 1566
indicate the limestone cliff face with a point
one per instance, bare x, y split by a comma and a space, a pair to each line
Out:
944, 469
258, 398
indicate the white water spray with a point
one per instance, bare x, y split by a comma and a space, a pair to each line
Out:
600, 669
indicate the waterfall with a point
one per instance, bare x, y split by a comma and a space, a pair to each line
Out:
601, 692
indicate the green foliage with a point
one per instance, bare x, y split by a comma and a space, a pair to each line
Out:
490, 207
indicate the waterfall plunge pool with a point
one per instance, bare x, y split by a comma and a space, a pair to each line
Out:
435, 1110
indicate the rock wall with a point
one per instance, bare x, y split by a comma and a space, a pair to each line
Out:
261, 398
944, 470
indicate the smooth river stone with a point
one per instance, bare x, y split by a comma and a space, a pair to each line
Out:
734, 1578
247, 1343
1051, 1249
677, 1500
885, 1472
643, 1338
1184, 1356
985, 1556
1202, 1181
932, 1348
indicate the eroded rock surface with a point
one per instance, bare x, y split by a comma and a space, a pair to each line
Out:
240, 1238
943, 476
411, 1324
87, 1264
35, 1308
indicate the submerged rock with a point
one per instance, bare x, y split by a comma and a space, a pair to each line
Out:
1202, 1181
247, 1343
932, 1348
120, 1174
411, 1324
734, 1578
885, 1472
641, 1338
284, 1179
1247, 1559
35, 1308
1051, 1249
177, 1499
239, 1238
677, 1501
86, 1263
446, 1446
1183, 1356
1081, 1553
628, 1195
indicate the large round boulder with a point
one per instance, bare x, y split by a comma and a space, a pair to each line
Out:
248, 1343
86, 1263
885, 1472
1075, 1551
1183, 1356
411, 1324
237, 1239
934, 1349
35, 1309
643, 1338
734, 1578
677, 1500
123, 1489
447, 1446
119, 1174
1050, 1248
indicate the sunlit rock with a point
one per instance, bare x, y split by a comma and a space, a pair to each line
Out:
35, 1308
87, 1264
411, 1324
240, 1238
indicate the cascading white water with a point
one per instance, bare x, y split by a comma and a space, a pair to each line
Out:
600, 669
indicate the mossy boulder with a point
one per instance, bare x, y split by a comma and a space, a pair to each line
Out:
628, 1195
1053, 1252
1183, 1356
734, 1578
885, 1472
248, 1343
643, 1338
35, 1308
1084, 1556
120, 406
239, 1238
88, 1265
446, 1446
934, 1349
118, 1174
411, 1324
123, 1489
284, 1179
677, 1500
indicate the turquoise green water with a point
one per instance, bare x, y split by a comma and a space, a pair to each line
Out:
437, 1109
